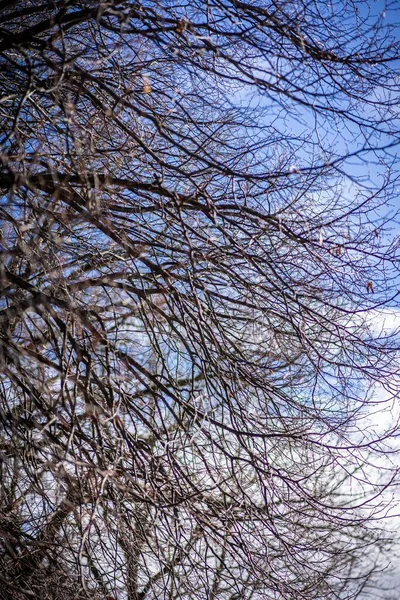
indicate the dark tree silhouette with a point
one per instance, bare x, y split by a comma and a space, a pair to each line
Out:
195, 250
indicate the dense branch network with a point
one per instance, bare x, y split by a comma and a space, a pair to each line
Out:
192, 261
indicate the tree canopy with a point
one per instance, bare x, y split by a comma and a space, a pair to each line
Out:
196, 210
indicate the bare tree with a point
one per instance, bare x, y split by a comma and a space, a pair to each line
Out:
195, 210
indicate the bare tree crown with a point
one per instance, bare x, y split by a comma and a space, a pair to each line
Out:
196, 202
